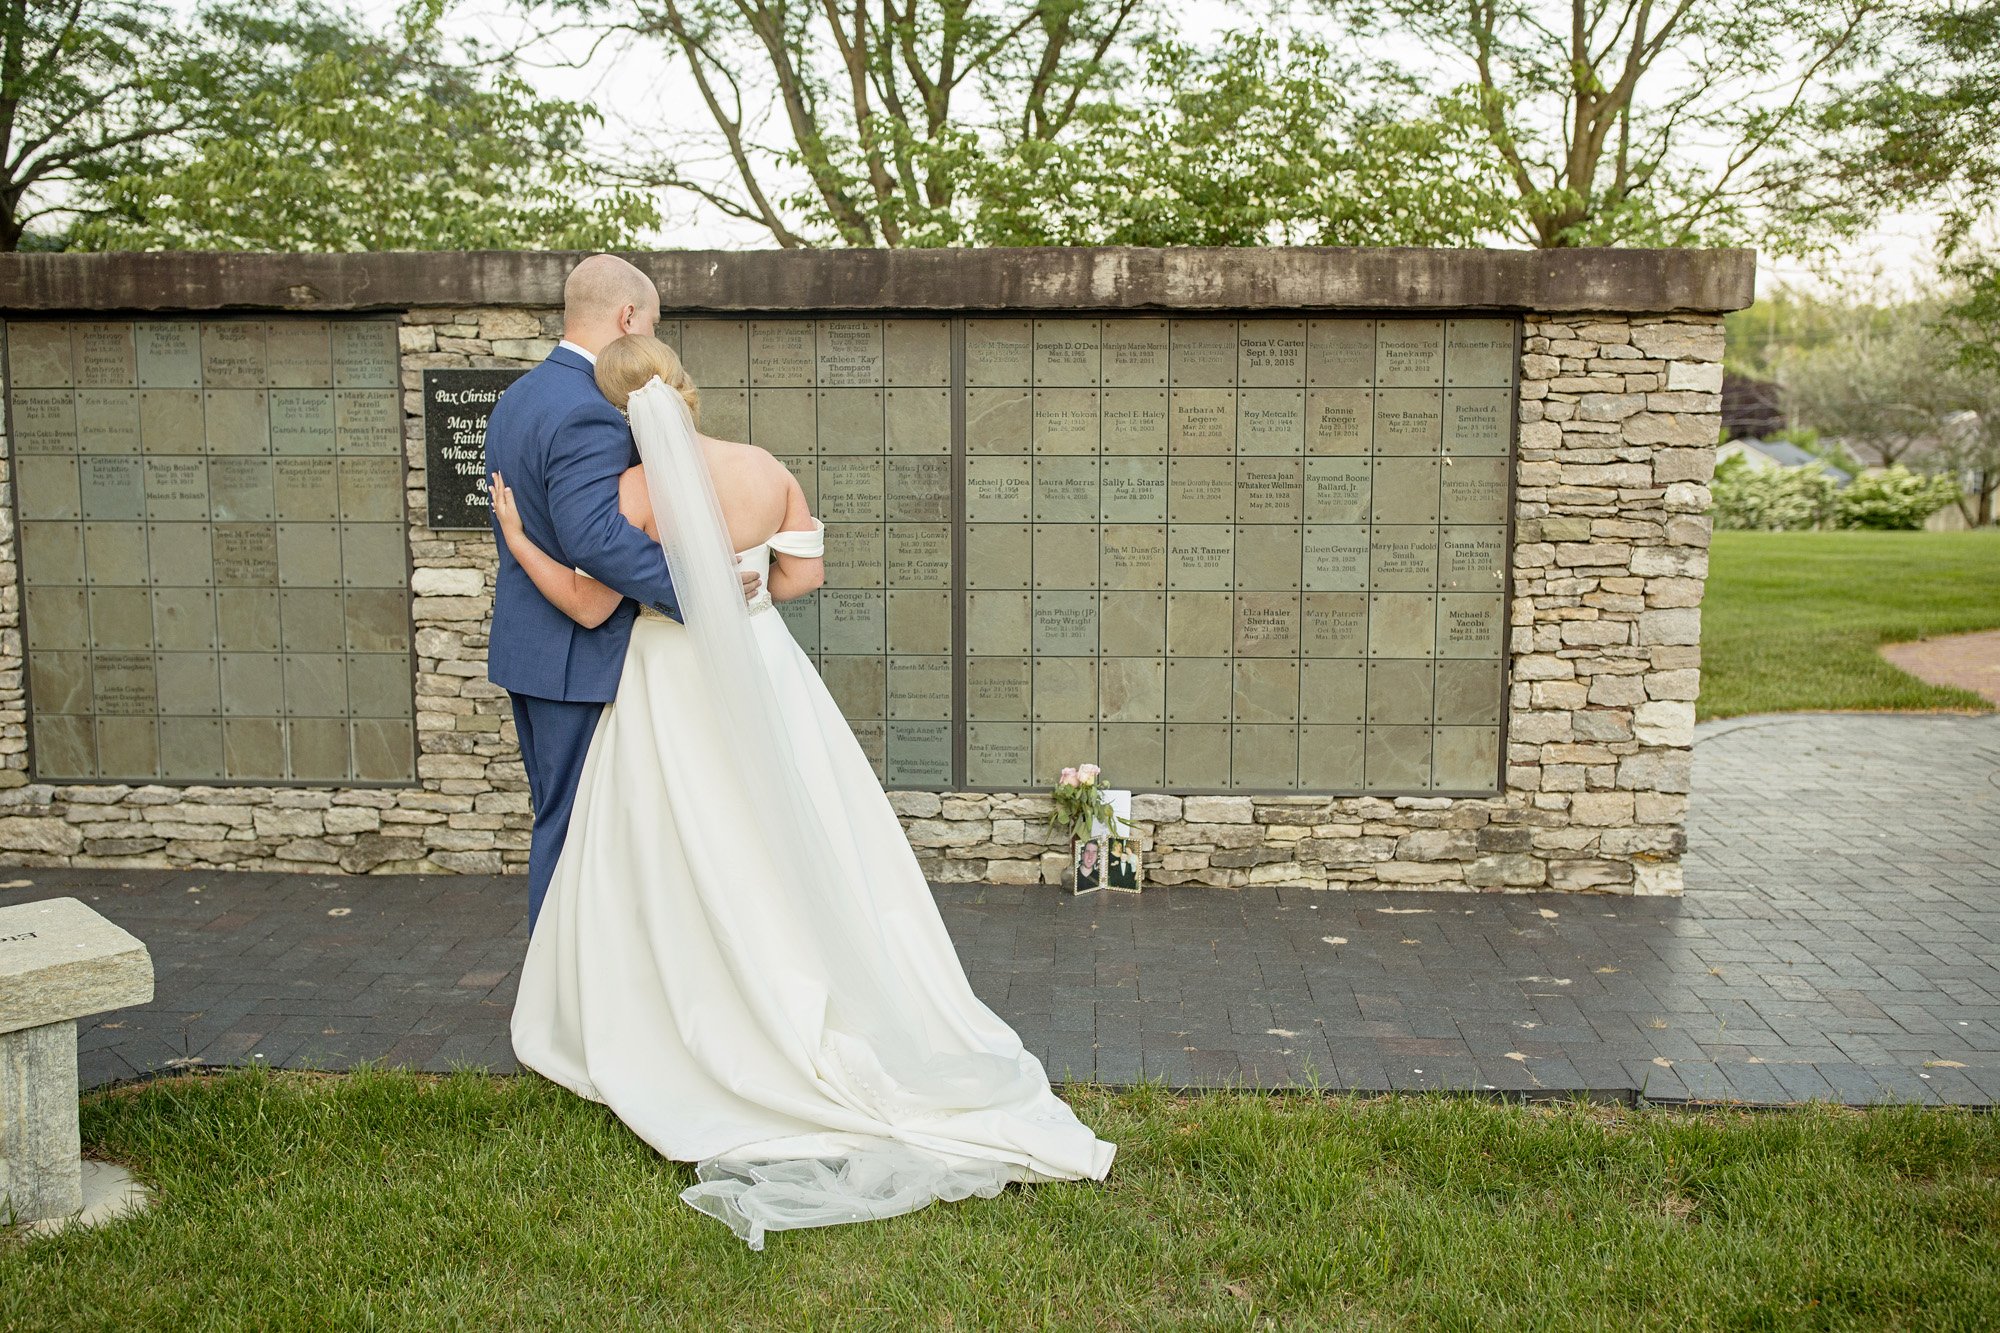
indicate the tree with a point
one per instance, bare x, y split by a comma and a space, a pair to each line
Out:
1917, 129
1893, 384
1257, 141
858, 124
299, 129
1595, 108
1882, 386
1789, 320
89, 90
1045, 122
1968, 444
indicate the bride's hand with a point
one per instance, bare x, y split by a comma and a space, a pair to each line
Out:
503, 506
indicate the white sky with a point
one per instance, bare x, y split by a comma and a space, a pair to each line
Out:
642, 94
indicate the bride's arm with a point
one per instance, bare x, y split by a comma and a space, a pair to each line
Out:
794, 575
578, 596
636, 502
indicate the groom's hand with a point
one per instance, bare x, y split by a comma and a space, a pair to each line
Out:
750, 583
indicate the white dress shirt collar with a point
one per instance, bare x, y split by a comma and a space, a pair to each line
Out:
585, 353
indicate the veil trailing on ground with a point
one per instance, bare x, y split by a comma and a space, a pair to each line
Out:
873, 1042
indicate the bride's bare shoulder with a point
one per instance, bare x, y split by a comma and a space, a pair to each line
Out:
737, 452
751, 460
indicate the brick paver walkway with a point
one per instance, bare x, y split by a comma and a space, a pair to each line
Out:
1840, 939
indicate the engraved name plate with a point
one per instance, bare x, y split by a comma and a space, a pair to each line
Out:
1479, 351
1271, 421
106, 355
1133, 490
919, 490
850, 352
1134, 352
1133, 421
1476, 420
1271, 351
998, 351
783, 353
1409, 351
1066, 352
1203, 351
107, 421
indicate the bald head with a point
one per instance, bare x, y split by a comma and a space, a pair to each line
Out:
606, 298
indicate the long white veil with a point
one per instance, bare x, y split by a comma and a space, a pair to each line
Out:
867, 1041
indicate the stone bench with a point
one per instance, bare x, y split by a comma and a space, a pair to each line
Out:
59, 961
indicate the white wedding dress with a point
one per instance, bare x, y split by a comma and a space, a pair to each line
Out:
748, 966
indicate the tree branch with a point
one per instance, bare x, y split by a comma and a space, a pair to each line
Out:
732, 128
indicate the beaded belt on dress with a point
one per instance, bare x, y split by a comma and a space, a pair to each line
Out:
762, 602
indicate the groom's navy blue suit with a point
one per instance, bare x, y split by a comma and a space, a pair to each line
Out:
561, 446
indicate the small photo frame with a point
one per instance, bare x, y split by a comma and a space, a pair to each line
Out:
1122, 866
1087, 861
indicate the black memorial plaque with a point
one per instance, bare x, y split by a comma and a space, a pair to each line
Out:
456, 405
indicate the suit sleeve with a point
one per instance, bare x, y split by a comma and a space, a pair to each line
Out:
586, 458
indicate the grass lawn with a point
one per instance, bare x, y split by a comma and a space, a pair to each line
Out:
395, 1200
1791, 620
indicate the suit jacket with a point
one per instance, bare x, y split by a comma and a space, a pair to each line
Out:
561, 447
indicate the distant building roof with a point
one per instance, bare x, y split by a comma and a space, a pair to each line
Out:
1784, 453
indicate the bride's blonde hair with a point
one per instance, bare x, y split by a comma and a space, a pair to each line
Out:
630, 361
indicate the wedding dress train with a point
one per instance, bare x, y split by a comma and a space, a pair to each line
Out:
764, 986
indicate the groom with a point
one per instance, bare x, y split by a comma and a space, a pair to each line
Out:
561, 446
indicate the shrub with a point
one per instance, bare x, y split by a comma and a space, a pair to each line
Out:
1773, 499
1893, 498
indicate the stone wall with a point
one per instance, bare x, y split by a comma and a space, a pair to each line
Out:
1619, 418
470, 812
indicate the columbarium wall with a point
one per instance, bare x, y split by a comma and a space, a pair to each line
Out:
1617, 419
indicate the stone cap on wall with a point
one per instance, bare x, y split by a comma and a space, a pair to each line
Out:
1111, 278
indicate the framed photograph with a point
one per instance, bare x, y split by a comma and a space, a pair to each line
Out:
1087, 859
1122, 865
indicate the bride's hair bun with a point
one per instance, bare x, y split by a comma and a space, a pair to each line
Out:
628, 363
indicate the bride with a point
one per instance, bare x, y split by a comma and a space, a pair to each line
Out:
738, 953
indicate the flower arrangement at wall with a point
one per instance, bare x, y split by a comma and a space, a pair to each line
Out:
1101, 847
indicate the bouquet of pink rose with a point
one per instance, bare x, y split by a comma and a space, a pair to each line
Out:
1080, 802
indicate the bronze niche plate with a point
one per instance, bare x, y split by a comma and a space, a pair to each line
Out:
1134, 352
1340, 352
716, 352
1264, 757
998, 623
850, 352
1131, 489
998, 754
